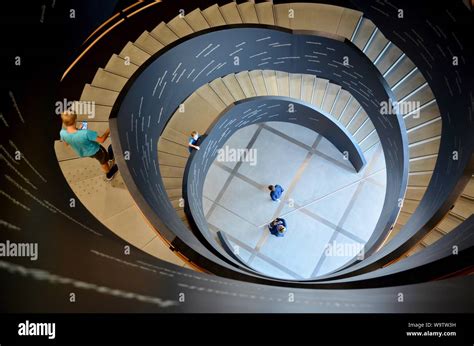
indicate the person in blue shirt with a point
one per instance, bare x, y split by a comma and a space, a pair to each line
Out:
193, 141
278, 227
87, 143
275, 192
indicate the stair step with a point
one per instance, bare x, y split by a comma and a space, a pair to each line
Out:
463, 208
187, 121
348, 23
422, 95
120, 67
181, 214
164, 34
171, 171
98, 95
169, 147
424, 148
234, 87
319, 92
364, 33
449, 223
415, 192
410, 84
221, 89
246, 84
341, 102
295, 85
409, 206
417, 248
213, 16
281, 15
364, 131
174, 193
432, 237
349, 111
399, 71
135, 54
331, 93
283, 83
176, 203
258, 83
148, 43
396, 228
419, 178
307, 87
172, 183
171, 160
271, 84
426, 113
369, 141
179, 26
428, 130
469, 190
423, 163
403, 218
265, 13
391, 55
107, 80
210, 96
231, 13
196, 20
376, 46
315, 17
357, 121
100, 112
248, 13
175, 136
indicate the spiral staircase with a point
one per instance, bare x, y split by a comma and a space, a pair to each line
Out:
149, 204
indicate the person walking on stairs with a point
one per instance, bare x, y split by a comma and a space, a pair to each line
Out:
87, 143
193, 141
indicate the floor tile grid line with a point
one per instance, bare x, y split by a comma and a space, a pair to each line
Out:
259, 185
297, 206
331, 193
332, 225
307, 147
370, 165
375, 182
293, 184
336, 233
240, 176
235, 169
260, 256
347, 211
230, 211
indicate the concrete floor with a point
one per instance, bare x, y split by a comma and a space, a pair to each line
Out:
325, 201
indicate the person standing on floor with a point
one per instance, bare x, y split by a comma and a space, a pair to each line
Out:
278, 227
275, 192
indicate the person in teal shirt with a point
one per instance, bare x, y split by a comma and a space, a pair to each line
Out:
87, 143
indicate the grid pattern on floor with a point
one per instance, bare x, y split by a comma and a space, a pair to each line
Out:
343, 210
